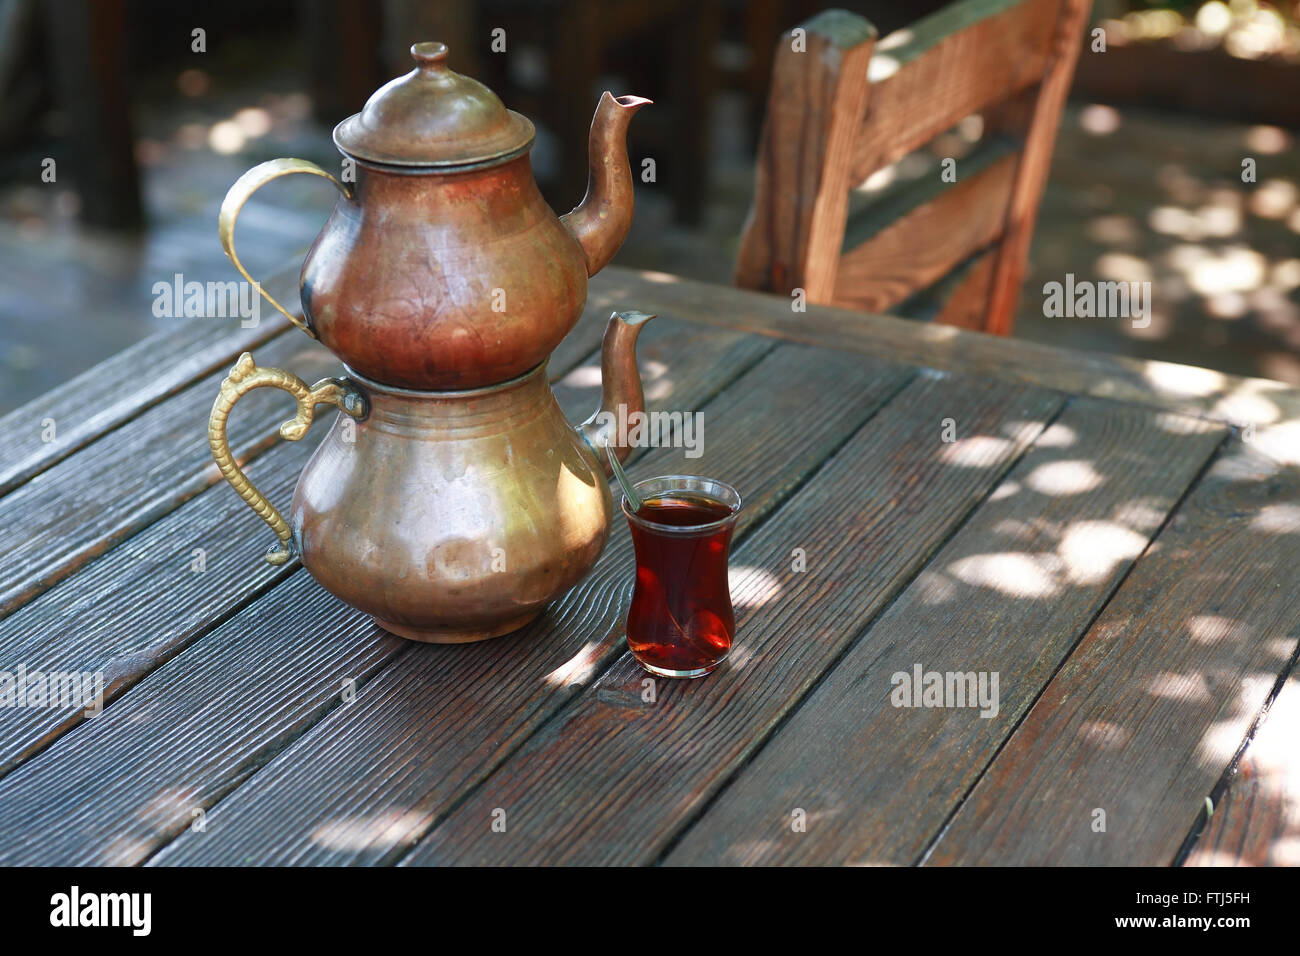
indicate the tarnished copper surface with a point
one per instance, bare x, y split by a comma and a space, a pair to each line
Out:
454, 517
444, 281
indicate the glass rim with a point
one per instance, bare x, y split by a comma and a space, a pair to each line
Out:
685, 483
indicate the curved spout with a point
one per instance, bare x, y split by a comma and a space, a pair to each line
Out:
621, 393
600, 223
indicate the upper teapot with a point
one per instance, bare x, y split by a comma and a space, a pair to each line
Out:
441, 267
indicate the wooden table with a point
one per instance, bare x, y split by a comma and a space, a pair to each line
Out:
1116, 541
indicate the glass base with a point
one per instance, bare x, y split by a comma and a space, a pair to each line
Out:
688, 675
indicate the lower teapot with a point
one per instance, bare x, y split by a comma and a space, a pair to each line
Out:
446, 516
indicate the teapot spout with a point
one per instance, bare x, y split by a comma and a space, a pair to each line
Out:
601, 221
621, 393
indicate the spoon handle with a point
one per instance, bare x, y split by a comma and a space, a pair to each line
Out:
623, 482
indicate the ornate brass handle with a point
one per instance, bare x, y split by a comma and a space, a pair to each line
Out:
239, 193
245, 377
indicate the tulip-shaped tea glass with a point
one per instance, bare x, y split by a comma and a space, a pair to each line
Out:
681, 622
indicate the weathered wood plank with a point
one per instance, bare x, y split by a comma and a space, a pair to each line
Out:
613, 777
1153, 705
928, 76
385, 770
919, 247
118, 784
182, 757
1273, 407
1008, 595
117, 390
1257, 821
132, 476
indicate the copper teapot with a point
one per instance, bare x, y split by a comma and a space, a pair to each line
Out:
450, 500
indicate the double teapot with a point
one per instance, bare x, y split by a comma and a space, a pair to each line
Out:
451, 500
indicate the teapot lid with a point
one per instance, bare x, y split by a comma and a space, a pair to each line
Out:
434, 117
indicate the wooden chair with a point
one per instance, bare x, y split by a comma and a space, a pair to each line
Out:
845, 106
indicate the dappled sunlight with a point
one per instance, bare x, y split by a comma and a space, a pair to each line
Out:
934, 587
663, 278
1273, 199
1213, 628
1186, 688
578, 669
1104, 735
1015, 574
1176, 424
380, 831
1218, 220
1183, 379
1007, 489
1060, 478
1113, 229
882, 67
655, 381
159, 818
752, 586
894, 40
1277, 519
1223, 738
584, 376
1144, 514
977, 451
1056, 435
1092, 550
1122, 267
1099, 120
1233, 269
1279, 442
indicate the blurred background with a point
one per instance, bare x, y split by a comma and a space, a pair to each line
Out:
150, 109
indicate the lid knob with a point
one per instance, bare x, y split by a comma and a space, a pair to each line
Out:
433, 118
430, 55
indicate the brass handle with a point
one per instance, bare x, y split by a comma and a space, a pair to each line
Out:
245, 377
241, 191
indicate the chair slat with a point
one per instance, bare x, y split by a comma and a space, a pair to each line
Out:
958, 61
920, 246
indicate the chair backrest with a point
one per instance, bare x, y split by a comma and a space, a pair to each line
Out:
844, 105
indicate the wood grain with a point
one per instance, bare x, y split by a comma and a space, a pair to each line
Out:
1257, 821
136, 774
264, 676
966, 304
969, 55
791, 238
613, 777
117, 390
132, 476
1010, 594
921, 246
1150, 709
1273, 407
376, 777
